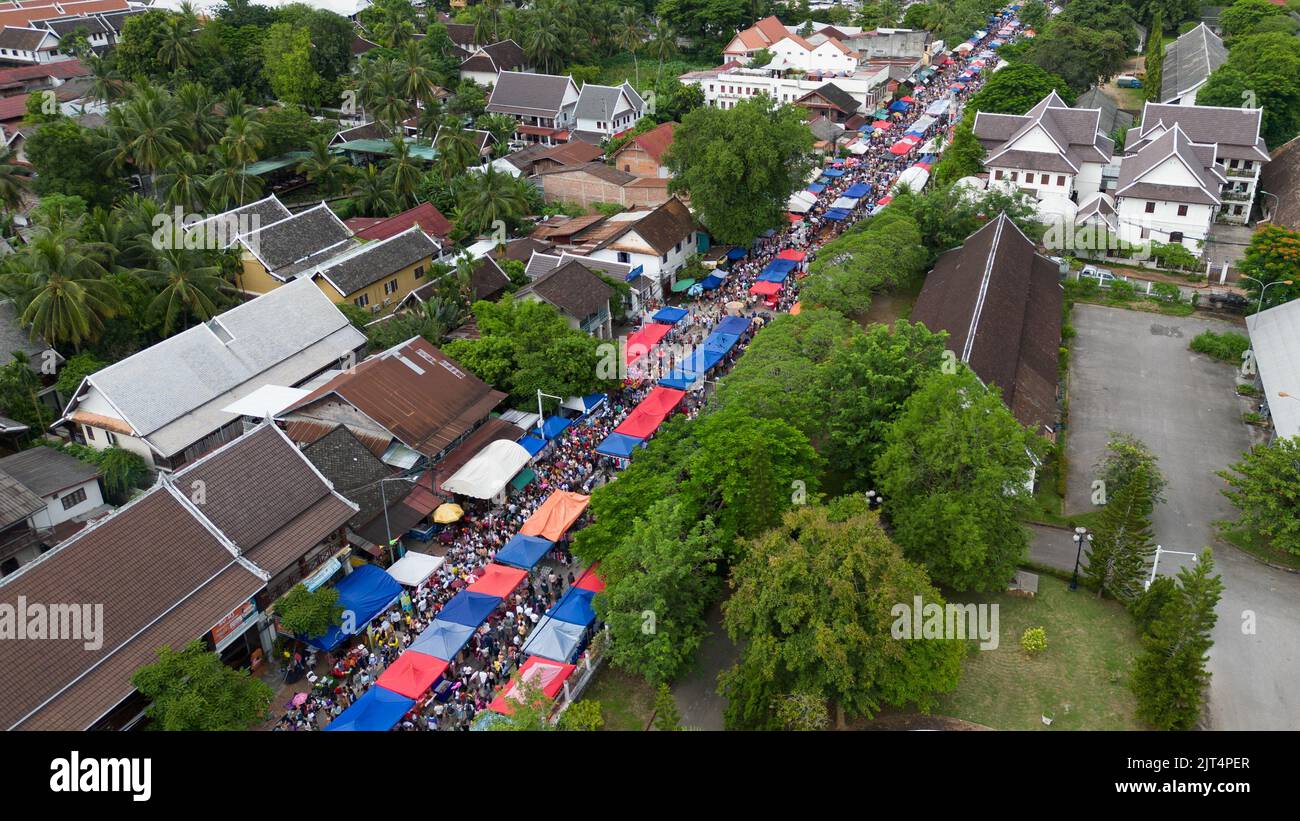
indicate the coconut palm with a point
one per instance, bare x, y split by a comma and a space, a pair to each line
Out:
15, 180
484, 23
243, 139
542, 40
197, 113
663, 44
145, 130
429, 120
178, 48
402, 171
372, 194
189, 286
629, 33
456, 149
329, 171
107, 85
419, 76
229, 183
488, 197
183, 184
61, 291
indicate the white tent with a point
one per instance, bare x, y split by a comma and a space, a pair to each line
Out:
846, 203
914, 178
413, 568
801, 202
858, 147
487, 474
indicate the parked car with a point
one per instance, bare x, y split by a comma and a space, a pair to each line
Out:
1103, 277
1128, 81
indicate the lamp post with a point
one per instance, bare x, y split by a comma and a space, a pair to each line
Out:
1264, 286
875, 500
383, 497
1156, 563
541, 414
1081, 537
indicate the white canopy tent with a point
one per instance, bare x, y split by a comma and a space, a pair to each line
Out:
491, 469
414, 568
846, 203
801, 202
914, 178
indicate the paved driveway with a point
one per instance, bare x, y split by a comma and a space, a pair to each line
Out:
1132, 372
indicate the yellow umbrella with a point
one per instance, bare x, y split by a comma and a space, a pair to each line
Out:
448, 513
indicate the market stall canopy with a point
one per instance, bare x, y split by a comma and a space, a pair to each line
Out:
591, 580
584, 404
491, 469
469, 608
554, 426
556, 515
671, 316
845, 204
643, 340
857, 191
498, 580
532, 444
801, 202
442, 639
793, 254
832, 172
365, 592
834, 214
523, 551
412, 674
899, 105
765, 288
414, 568
619, 445
555, 640
683, 284
575, 607
711, 283
547, 675
736, 254
377, 710
815, 188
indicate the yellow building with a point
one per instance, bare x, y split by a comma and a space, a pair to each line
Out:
278, 252
378, 275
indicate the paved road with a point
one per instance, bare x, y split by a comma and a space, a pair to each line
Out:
1132, 372
696, 693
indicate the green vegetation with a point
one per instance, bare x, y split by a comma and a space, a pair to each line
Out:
1265, 488
191, 689
303, 612
1227, 346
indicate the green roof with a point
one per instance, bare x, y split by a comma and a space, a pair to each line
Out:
261, 167
420, 152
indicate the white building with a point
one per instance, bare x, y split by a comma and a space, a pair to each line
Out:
1169, 191
657, 244
541, 104
724, 87
1050, 151
603, 111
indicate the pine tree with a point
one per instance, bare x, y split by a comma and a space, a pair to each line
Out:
1169, 676
1123, 542
1155, 58
666, 716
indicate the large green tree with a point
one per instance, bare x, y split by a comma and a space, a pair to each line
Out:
1265, 488
1273, 255
191, 689
1017, 88
886, 251
1123, 540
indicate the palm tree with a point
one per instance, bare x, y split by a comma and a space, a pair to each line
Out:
329, 171
488, 197
630, 35
230, 181
14, 180
62, 293
146, 131
456, 150
188, 286
179, 48
429, 120
484, 22
243, 139
196, 110
107, 85
380, 91
418, 72
402, 171
183, 184
663, 42
542, 41
372, 194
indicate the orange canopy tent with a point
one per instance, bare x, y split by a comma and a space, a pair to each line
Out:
556, 515
412, 674
498, 580
796, 309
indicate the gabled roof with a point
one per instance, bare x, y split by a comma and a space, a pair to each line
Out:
46, 471
662, 228
599, 170
25, 39
61, 70
14, 338
654, 142
421, 396
1073, 132
1000, 302
1111, 117
1234, 130
425, 215
529, 95
572, 288
250, 217
503, 56
367, 264
597, 102
17, 502
355, 472
836, 96
298, 242
1199, 160
1281, 178
1189, 61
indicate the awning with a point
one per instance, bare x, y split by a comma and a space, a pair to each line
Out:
899, 105
554, 426
671, 316
524, 552
643, 340
442, 639
412, 674
815, 188
798, 256
469, 608
844, 204
832, 172
377, 710
555, 640
532, 444
856, 191
711, 283
835, 214
365, 593
556, 515
575, 607
538, 672
521, 481
619, 445
498, 580
736, 254
414, 568
487, 474
765, 288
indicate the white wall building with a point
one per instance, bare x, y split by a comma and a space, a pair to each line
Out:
1050, 151
1169, 191
603, 111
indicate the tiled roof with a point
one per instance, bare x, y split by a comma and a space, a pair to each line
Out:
1234, 130
572, 288
425, 215
1073, 132
1199, 161
836, 96
369, 263
662, 228
530, 95
654, 142
298, 238
46, 471
1189, 60
17, 502
1281, 178
23, 39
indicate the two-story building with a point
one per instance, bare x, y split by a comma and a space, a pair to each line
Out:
580, 296
48, 494
643, 155
1188, 63
1168, 191
487, 63
604, 111
377, 275
657, 244
1050, 151
542, 105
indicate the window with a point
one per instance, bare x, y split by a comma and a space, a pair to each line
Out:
90, 432
1060, 179
1014, 175
1151, 207
1236, 210
74, 498
1248, 164
362, 301
1182, 210
997, 175
623, 256
1175, 236
677, 248
1232, 163
665, 258
1029, 177
112, 438
390, 287
419, 271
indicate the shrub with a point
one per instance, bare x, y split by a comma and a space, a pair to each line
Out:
1034, 640
1122, 290
582, 715
1227, 346
1166, 292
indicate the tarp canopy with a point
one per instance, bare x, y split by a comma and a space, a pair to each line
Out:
646, 417
834, 214
619, 445
532, 444
556, 515
499, 580
781, 264
591, 580
736, 253
773, 276
469, 608
857, 191
832, 172
365, 592
922, 125
442, 639
643, 340
914, 178
377, 710
662, 400
882, 125
765, 288
554, 426
845, 204
491, 469
555, 640
711, 282
736, 325
538, 672
584, 404
523, 478
901, 147
413, 568
522, 551
575, 607
671, 316
800, 202
412, 674
815, 188
899, 105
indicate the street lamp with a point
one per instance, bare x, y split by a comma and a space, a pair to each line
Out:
541, 414
1264, 287
1081, 537
875, 500
383, 497
1156, 563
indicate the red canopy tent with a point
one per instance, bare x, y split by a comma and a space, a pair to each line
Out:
885, 200
794, 218
791, 253
907, 99
663, 400
641, 342
646, 417
883, 125
765, 288
556, 515
590, 580
550, 675
498, 580
412, 674
901, 147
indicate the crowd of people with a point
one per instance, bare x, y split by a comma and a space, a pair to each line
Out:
570, 462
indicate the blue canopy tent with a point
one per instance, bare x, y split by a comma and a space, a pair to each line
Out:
554, 426
836, 214
783, 265
575, 607
815, 188
899, 105
592, 401
832, 172
365, 593
680, 380
533, 445
468, 608
619, 445
929, 159
736, 325
736, 253
670, 316
523, 551
711, 283
770, 275
377, 710
858, 190
555, 640
442, 639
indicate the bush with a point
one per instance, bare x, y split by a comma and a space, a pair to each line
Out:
1227, 347
1122, 290
1034, 640
582, 715
1166, 292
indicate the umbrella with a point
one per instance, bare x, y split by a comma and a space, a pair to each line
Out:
448, 513
695, 290
734, 307
682, 284
299, 699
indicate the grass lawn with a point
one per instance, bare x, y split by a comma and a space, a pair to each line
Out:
1257, 546
626, 701
1082, 676
615, 71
